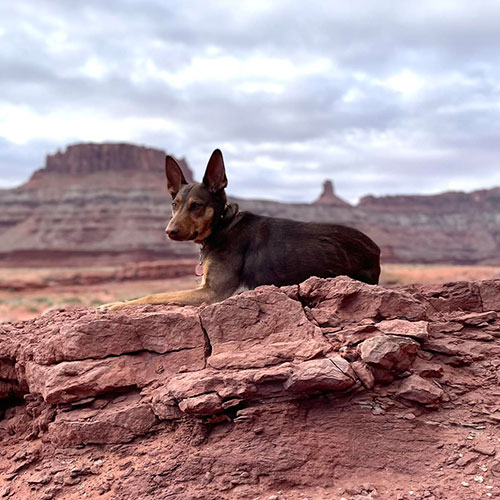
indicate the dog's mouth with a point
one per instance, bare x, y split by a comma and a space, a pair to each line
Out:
180, 237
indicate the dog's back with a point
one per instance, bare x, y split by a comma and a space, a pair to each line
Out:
283, 252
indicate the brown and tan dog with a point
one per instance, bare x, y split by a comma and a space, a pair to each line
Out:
241, 250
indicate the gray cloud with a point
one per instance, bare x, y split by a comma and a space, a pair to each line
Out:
383, 97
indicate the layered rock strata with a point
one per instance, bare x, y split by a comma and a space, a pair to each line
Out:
91, 204
108, 203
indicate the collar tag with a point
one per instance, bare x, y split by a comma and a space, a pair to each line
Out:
198, 270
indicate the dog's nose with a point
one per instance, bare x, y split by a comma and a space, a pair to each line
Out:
171, 231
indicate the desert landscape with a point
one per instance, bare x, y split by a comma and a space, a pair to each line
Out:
101, 204
327, 390
28, 292
379, 116
79, 232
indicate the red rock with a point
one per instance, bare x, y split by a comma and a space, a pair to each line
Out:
485, 447
389, 352
116, 423
73, 380
98, 335
206, 404
94, 185
427, 369
228, 385
7, 369
328, 196
414, 329
364, 373
39, 478
242, 384
466, 459
352, 335
290, 422
278, 373
473, 333
9, 389
165, 407
259, 328
448, 298
89, 158
418, 389
231, 403
445, 327
208, 391
475, 319
331, 374
343, 299
490, 294
462, 350
160, 269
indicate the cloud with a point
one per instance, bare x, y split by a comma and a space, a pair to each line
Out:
382, 97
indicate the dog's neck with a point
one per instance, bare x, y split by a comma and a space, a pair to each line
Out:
229, 213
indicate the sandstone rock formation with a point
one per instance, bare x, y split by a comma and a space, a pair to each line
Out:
328, 196
91, 204
85, 160
326, 390
108, 203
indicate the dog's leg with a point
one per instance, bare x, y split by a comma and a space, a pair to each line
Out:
220, 281
194, 297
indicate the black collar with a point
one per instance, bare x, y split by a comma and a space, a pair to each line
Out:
230, 212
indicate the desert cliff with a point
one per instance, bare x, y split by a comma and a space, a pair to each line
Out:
326, 390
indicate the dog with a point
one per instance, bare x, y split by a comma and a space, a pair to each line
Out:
240, 250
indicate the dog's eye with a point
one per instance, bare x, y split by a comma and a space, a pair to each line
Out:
174, 205
194, 206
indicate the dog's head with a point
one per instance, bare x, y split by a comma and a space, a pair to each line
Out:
196, 206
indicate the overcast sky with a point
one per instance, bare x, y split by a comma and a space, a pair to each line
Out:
382, 97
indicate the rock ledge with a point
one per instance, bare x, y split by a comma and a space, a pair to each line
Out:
275, 389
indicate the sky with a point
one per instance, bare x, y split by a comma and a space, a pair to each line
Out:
382, 97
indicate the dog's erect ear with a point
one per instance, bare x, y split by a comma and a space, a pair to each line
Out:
175, 177
215, 175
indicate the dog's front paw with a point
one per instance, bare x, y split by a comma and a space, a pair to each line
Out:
112, 306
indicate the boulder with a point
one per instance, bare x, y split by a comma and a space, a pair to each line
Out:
330, 374
418, 389
389, 352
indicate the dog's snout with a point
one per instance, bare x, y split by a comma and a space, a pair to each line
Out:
171, 231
